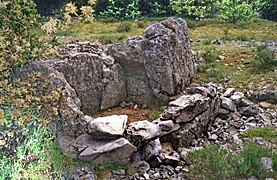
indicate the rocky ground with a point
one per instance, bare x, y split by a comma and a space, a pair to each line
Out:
154, 143
200, 116
236, 114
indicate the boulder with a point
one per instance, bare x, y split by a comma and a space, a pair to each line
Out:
249, 111
92, 149
109, 126
157, 65
149, 151
142, 69
186, 108
69, 104
223, 113
140, 167
267, 164
266, 95
97, 79
245, 102
67, 119
141, 132
168, 156
237, 97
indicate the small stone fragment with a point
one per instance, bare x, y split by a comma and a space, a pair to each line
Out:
265, 104
267, 164
229, 92
228, 104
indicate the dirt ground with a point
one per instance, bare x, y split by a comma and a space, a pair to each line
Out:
134, 114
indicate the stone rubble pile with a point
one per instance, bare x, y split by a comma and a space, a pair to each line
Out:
158, 150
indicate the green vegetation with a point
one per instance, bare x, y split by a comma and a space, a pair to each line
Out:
268, 133
264, 59
195, 9
32, 152
235, 11
29, 150
215, 163
121, 9
124, 27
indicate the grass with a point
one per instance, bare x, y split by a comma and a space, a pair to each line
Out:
238, 66
215, 163
124, 27
259, 31
268, 133
38, 156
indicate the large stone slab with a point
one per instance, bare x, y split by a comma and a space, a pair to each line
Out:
141, 132
157, 65
109, 126
97, 79
99, 150
186, 108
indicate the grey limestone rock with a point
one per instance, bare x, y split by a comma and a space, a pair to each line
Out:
267, 164
237, 97
228, 104
97, 79
194, 113
186, 108
141, 132
157, 65
249, 111
98, 150
139, 167
229, 92
109, 126
69, 104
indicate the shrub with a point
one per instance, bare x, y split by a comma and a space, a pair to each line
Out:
264, 58
124, 27
268, 9
235, 10
195, 9
243, 37
268, 133
121, 9
210, 54
107, 20
215, 163
207, 41
154, 7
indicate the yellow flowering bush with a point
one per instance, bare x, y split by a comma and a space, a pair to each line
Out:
71, 10
51, 26
18, 45
87, 12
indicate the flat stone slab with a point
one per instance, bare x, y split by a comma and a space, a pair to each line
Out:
109, 126
99, 150
186, 107
141, 132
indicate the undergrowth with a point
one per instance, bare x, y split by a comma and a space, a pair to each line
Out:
268, 133
215, 163
31, 151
